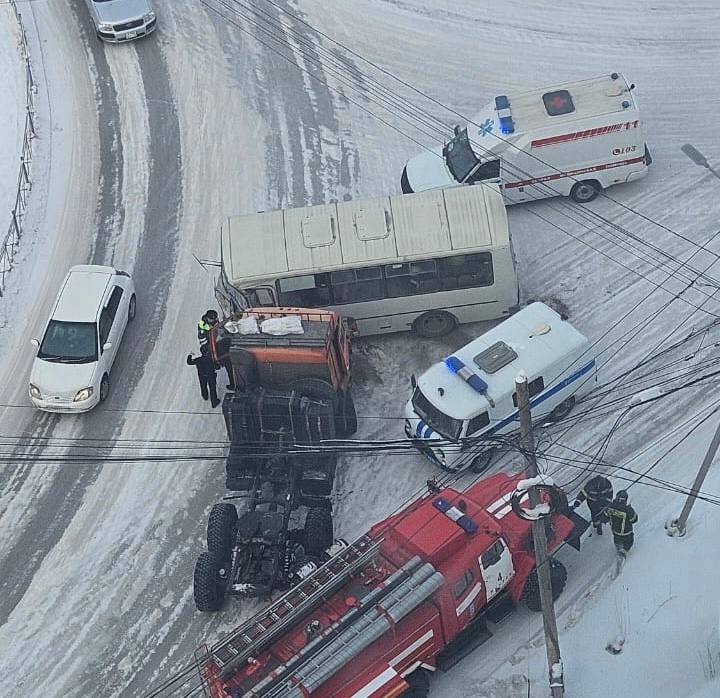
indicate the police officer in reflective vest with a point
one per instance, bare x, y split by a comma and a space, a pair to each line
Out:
622, 518
598, 492
207, 322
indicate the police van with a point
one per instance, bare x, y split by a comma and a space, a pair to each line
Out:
573, 139
460, 403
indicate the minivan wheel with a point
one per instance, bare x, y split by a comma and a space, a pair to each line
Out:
585, 191
104, 388
132, 308
433, 324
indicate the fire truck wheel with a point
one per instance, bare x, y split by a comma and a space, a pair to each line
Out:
208, 589
221, 530
562, 410
558, 578
482, 461
318, 531
418, 684
433, 324
350, 420
585, 191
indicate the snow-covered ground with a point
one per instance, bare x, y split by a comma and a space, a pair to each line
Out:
144, 148
12, 111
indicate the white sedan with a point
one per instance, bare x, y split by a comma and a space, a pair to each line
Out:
71, 372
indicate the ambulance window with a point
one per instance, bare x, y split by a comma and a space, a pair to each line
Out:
558, 102
534, 388
462, 584
477, 423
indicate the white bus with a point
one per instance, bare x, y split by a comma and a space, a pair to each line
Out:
424, 261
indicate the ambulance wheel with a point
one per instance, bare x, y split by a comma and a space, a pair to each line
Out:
558, 578
418, 685
433, 324
562, 410
318, 531
208, 587
482, 461
221, 530
585, 191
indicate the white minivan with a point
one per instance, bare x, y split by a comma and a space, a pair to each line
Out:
71, 372
459, 404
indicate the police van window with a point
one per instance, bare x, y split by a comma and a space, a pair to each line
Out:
411, 278
309, 291
492, 555
466, 271
462, 584
356, 285
534, 388
477, 423
558, 102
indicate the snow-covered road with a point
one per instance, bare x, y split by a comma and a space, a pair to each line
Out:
144, 149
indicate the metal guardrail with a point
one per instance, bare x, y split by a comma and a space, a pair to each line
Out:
9, 245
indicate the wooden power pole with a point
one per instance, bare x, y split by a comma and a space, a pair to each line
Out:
552, 644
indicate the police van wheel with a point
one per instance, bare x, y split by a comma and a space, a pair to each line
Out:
436, 323
585, 191
562, 410
482, 461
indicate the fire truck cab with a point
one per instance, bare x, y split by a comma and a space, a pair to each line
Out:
414, 594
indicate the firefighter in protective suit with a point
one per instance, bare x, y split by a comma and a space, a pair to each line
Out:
598, 492
622, 519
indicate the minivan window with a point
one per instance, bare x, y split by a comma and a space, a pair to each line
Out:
446, 426
114, 302
69, 342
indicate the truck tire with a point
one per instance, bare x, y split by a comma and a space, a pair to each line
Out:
221, 530
562, 410
418, 684
318, 531
208, 589
558, 578
434, 324
322, 391
585, 191
349, 414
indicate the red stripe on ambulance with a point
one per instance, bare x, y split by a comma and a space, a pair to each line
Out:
587, 133
573, 173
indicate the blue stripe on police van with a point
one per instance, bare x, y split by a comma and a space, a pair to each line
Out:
534, 402
420, 428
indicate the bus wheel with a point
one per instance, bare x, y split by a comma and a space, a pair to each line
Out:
585, 191
436, 323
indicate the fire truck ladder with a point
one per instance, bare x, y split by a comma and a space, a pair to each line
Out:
263, 629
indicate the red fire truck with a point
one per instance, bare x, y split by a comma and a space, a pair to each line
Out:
416, 593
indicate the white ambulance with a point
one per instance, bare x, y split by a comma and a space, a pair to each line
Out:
461, 403
573, 139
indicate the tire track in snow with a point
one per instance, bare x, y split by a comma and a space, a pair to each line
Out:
58, 503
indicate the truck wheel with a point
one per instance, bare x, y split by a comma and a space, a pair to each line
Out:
221, 530
208, 589
558, 578
322, 391
482, 461
434, 324
585, 191
418, 684
349, 414
318, 531
562, 410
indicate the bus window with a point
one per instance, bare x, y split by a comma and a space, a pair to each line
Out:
356, 285
311, 291
466, 271
411, 278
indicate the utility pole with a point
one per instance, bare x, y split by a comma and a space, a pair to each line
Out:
552, 644
677, 527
